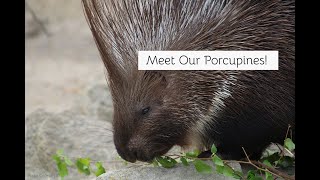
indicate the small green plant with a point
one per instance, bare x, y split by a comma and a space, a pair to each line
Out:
62, 162
200, 165
267, 166
82, 164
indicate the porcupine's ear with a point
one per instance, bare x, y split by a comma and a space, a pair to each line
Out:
107, 39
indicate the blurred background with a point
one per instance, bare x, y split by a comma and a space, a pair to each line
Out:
67, 102
61, 59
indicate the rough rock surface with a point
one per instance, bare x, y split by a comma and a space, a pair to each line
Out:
100, 104
179, 172
77, 135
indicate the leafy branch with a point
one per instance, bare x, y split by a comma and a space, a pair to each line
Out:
267, 165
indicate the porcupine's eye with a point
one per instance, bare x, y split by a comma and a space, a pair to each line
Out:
144, 111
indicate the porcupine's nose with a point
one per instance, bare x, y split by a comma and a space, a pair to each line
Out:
126, 153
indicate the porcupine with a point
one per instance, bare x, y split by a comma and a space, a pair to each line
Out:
155, 110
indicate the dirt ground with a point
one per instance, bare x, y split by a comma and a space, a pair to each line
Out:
62, 66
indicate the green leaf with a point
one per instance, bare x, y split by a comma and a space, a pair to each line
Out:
202, 167
56, 158
63, 157
268, 176
68, 161
61, 166
217, 160
60, 152
190, 154
193, 154
155, 163
251, 174
289, 144
219, 169
83, 165
100, 169
258, 178
213, 149
227, 171
166, 162
196, 152
266, 162
237, 174
184, 161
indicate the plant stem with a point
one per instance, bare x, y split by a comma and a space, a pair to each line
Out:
274, 171
271, 170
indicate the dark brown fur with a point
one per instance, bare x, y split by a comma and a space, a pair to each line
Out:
232, 109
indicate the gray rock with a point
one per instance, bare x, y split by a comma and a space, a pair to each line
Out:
97, 103
178, 172
33, 166
77, 135
101, 102
32, 29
